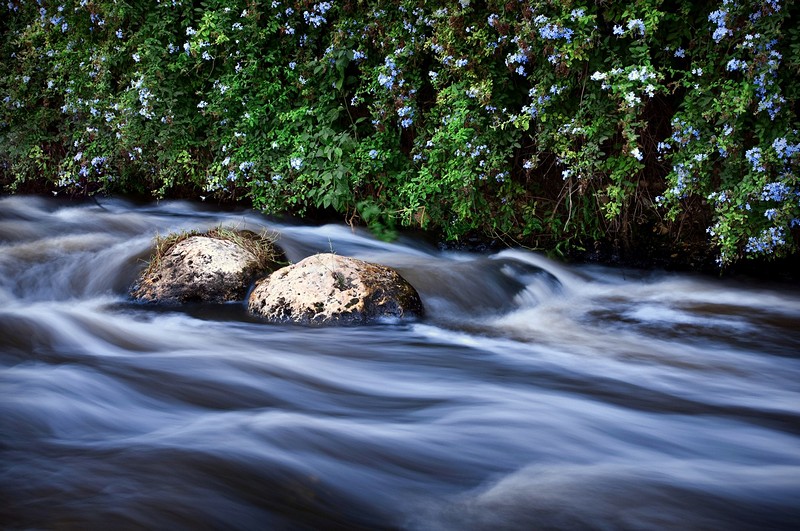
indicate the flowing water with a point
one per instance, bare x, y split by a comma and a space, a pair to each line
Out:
533, 395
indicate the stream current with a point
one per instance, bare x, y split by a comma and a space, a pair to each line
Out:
532, 395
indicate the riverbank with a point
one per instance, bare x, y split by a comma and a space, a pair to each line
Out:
582, 131
653, 252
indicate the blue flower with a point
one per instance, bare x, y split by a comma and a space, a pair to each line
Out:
775, 191
753, 156
718, 17
315, 16
783, 149
518, 57
553, 31
720, 33
386, 81
736, 64
636, 25
767, 241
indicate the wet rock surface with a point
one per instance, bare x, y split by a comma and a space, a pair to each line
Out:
199, 269
332, 289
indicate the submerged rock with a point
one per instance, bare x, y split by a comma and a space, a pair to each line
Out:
215, 267
332, 289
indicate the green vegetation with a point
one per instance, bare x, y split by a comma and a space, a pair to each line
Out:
554, 124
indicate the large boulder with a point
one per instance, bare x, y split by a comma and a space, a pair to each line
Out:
332, 289
215, 267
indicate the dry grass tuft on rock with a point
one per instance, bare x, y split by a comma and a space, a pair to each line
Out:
216, 266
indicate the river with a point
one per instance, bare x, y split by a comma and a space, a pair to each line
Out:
533, 395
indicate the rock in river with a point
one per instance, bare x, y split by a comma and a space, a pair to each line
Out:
215, 267
333, 289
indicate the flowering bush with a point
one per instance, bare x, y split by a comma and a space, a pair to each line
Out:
549, 123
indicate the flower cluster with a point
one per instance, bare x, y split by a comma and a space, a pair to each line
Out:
406, 114
389, 76
766, 242
316, 17
775, 191
719, 17
753, 156
552, 31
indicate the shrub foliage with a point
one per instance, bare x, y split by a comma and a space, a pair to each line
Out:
549, 123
